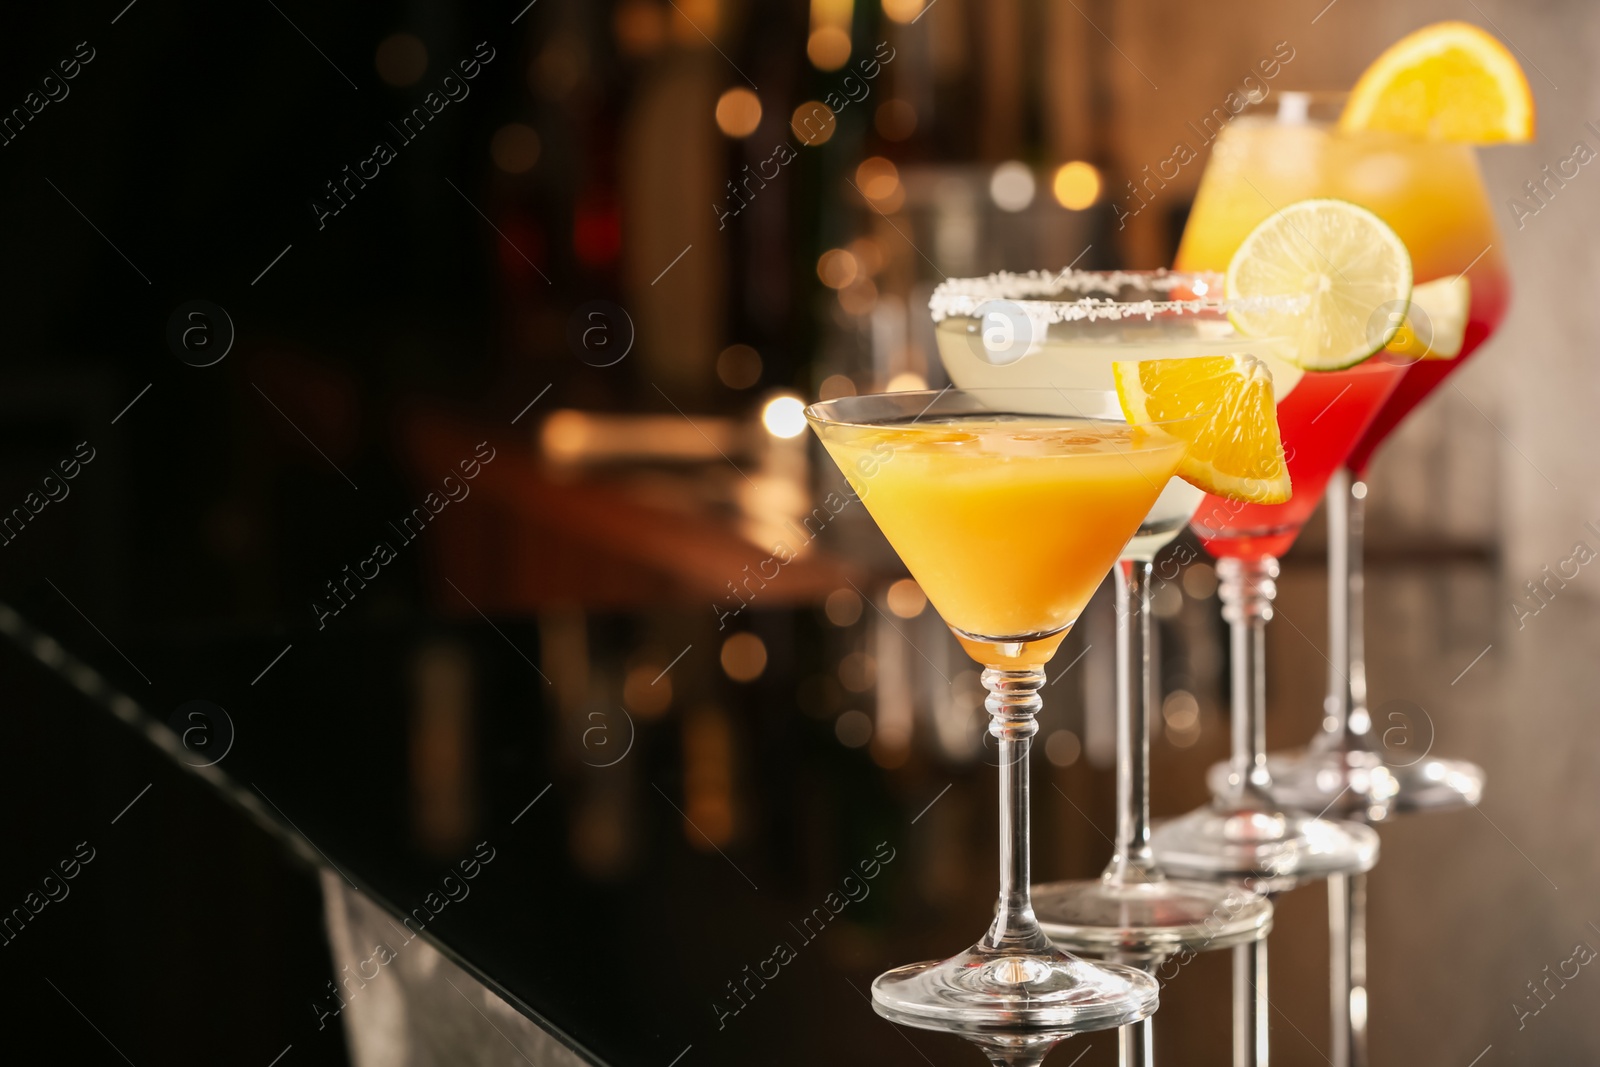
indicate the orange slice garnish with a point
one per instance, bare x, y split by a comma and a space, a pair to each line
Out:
1222, 406
1447, 82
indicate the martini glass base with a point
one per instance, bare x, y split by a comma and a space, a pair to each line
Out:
1150, 920
1273, 851
1359, 785
1352, 782
985, 989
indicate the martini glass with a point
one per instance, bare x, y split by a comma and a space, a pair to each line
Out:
1065, 330
1249, 830
1433, 194
1245, 832
1008, 507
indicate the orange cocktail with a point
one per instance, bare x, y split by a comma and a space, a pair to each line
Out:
941, 490
1431, 192
1008, 506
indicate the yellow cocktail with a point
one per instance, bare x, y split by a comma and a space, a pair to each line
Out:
1009, 527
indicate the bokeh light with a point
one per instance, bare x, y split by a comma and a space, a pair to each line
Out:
646, 690
515, 148
858, 672
843, 607
1181, 713
837, 268
696, 23
1166, 600
558, 68
739, 366
895, 120
1076, 185
1200, 580
853, 729
784, 416
859, 297
738, 112
906, 598
1062, 748
905, 382
877, 178
835, 386
828, 48
903, 11
813, 123
1011, 186
744, 656
640, 26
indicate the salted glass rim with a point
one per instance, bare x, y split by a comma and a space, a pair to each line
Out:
1104, 404
1123, 294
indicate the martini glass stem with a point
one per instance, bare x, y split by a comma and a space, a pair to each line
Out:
1250, 1005
1246, 588
1347, 935
1356, 588
1347, 728
1136, 1045
1133, 862
1341, 600
1346, 725
1027, 1056
1013, 704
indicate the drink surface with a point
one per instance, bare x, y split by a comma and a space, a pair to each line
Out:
1431, 193
1079, 355
1009, 524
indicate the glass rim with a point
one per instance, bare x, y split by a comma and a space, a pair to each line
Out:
1294, 99
1320, 109
1034, 294
821, 412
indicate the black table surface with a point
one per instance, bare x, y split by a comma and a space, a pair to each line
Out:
640, 921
